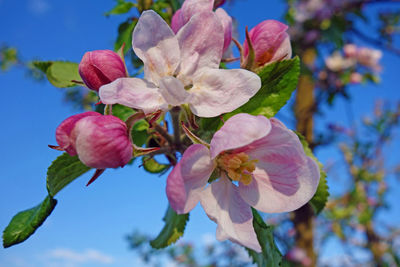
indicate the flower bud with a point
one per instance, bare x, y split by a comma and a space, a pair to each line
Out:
102, 142
64, 130
99, 141
270, 42
101, 67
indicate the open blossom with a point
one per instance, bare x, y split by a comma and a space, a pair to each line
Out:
182, 69
369, 58
336, 62
261, 163
192, 7
270, 42
101, 67
99, 141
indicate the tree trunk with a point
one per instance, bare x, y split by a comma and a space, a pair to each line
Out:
304, 108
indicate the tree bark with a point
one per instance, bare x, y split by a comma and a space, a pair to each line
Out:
304, 109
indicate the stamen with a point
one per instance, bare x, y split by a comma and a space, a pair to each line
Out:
238, 166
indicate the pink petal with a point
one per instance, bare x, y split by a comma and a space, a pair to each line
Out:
201, 41
134, 93
193, 7
177, 21
239, 131
285, 178
226, 21
223, 204
188, 178
173, 91
217, 91
156, 45
284, 51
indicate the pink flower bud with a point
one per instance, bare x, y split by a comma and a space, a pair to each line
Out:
99, 141
101, 67
270, 42
63, 132
103, 142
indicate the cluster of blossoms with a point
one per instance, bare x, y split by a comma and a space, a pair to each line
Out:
251, 161
351, 66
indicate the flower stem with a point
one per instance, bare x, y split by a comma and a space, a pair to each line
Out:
177, 128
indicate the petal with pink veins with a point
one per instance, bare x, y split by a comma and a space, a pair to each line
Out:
156, 45
285, 178
134, 93
201, 41
188, 178
223, 204
218, 91
193, 7
226, 21
239, 131
177, 21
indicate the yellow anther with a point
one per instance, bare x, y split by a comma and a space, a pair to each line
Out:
238, 166
234, 163
246, 179
242, 156
233, 175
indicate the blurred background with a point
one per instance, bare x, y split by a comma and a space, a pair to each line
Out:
346, 105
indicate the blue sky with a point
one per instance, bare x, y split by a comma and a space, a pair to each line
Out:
88, 226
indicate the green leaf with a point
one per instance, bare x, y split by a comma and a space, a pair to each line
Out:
270, 255
279, 80
42, 65
25, 223
125, 35
121, 7
59, 73
139, 133
122, 112
174, 226
152, 166
321, 196
62, 171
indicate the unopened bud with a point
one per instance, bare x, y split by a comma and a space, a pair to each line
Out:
64, 136
101, 67
270, 42
100, 141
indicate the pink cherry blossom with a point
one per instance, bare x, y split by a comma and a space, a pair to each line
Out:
193, 7
267, 165
182, 69
101, 67
99, 141
270, 42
